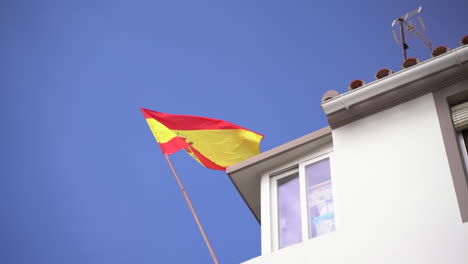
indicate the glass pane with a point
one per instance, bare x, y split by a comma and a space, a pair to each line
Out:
319, 198
289, 211
465, 137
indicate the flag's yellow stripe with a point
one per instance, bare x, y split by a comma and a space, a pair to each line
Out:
224, 147
160, 131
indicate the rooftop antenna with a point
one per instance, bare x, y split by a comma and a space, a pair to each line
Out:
414, 25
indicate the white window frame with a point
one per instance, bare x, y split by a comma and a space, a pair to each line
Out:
284, 171
274, 200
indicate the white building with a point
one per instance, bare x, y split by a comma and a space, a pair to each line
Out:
386, 182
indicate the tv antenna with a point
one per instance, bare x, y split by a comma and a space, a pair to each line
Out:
412, 24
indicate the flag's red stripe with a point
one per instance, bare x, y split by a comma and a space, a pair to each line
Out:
173, 145
187, 122
205, 161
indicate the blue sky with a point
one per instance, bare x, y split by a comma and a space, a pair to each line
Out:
81, 177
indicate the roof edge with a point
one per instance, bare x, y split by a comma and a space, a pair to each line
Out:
453, 58
269, 154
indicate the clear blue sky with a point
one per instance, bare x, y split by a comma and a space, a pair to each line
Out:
81, 177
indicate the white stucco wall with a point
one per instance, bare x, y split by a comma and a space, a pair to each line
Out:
394, 196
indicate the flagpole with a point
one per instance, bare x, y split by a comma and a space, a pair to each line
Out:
202, 231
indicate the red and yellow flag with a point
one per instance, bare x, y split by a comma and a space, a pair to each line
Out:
216, 144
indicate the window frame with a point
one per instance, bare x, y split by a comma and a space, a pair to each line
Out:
444, 99
285, 171
274, 202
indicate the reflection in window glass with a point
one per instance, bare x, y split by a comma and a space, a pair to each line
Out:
289, 211
319, 198
463, 143
465, 138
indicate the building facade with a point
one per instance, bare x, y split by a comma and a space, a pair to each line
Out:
386, 182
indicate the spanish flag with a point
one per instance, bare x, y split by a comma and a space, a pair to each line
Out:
216, 144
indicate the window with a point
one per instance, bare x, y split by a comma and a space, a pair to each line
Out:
319, 198
289, 210
302, 202
463, 143
460, 123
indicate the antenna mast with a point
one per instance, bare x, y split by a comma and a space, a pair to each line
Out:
410, 25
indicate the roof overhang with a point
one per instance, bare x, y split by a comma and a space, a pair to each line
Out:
397, 88
246, 175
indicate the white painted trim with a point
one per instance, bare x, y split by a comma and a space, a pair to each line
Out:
303, 201
265, 214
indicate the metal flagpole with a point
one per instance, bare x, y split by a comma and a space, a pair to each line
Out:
192, 210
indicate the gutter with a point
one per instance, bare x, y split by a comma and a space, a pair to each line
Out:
456, 57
